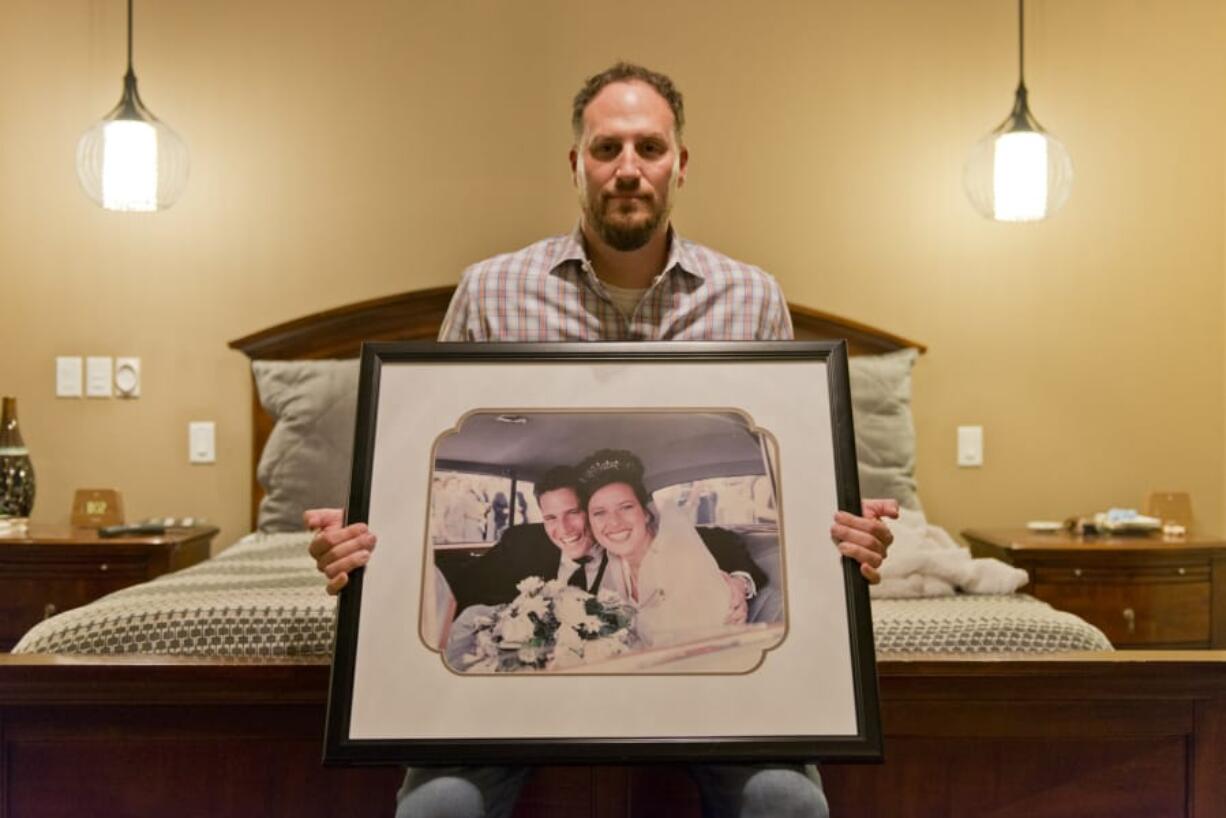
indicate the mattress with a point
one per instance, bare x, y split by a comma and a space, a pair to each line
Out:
262, 597
980, 623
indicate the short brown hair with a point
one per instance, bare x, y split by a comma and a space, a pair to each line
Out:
559, 477
626, 72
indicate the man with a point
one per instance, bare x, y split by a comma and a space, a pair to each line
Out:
561, 547
622, 274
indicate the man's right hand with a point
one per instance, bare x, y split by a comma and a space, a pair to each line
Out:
337, 548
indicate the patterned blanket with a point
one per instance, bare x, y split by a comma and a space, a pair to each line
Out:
263, 598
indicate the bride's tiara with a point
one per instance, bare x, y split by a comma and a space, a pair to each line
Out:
601, 466
631, 466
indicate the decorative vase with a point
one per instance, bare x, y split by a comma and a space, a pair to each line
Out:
16, 471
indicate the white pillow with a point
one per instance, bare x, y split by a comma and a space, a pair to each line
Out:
306, 462
885, 432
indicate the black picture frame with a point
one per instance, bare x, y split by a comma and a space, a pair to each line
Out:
393, 699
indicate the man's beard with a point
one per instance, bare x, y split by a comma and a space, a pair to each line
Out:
624, 236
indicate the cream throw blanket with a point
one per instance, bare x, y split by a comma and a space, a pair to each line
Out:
924, 561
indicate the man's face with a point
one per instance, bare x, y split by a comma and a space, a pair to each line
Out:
627, 164
565, 522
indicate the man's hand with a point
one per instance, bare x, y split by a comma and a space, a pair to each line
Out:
337, 548
738, 607
865, 539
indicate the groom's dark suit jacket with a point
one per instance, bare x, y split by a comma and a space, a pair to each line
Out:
525, 550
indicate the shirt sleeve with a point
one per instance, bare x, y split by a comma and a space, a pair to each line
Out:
457, 324
776, 319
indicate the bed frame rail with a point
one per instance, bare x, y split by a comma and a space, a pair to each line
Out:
1118, 734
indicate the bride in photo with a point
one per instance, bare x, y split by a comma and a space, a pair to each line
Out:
667, 572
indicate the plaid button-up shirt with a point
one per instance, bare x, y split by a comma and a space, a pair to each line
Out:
549, 292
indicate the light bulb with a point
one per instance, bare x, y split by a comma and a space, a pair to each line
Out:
1018, 175
129, 166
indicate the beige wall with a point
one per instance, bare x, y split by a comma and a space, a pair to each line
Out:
344, 151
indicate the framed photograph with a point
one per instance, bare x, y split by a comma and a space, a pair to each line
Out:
603, 553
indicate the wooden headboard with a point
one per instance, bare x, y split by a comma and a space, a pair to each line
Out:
417, 316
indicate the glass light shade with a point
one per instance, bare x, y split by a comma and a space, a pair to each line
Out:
1018, 174
132, 161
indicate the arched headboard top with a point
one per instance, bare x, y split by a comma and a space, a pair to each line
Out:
417, 315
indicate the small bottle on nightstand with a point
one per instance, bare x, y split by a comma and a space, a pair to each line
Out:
16, 470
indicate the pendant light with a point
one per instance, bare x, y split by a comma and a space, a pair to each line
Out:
1018, 172
131, 161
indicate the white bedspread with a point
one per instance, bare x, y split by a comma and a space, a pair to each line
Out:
924, 561
262, 597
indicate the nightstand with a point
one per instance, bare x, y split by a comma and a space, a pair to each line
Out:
48, 568
1141, 591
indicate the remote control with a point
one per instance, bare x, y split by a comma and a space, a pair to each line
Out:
131, 530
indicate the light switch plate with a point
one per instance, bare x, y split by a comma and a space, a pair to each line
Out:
127, 377
201, 442
68, 372
970, 445
98, 376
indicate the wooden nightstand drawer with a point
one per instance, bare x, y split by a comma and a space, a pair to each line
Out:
23, 603
1184, 572
1133, 614
52, 570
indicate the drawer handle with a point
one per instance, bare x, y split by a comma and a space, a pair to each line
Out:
1182, 571
1076, 572
104, 567
49, 610
1130, 620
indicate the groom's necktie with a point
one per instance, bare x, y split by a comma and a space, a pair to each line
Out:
578, 579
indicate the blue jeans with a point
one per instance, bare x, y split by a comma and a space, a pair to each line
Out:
727, 790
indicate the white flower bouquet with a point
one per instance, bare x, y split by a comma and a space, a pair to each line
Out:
550, 626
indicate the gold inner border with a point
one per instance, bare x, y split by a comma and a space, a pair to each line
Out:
771, 450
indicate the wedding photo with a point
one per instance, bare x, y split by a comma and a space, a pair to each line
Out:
642, 526
603, 542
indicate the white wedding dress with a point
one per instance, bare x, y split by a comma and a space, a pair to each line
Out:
682, 594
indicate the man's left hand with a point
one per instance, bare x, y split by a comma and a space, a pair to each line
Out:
866, 538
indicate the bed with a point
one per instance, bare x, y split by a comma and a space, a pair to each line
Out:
227, 718
262, 599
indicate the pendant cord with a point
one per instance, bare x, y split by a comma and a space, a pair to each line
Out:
129, 36
1021, 43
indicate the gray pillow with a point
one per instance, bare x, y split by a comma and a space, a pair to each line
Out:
885, 433
306, 462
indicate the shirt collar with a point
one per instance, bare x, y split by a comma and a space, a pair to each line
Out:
595, 552
680, 256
